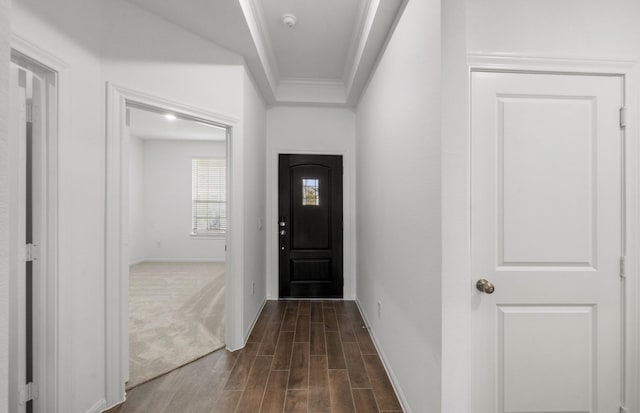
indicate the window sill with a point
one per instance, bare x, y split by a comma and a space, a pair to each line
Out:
207, 236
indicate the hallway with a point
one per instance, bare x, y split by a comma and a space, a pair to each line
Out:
302, 356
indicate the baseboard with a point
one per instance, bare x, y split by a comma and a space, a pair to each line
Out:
136, 262
394, 380
345, 298
107, 408
253, 324
255, 320
99, 406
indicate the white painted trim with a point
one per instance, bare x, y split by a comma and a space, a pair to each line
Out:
17, 213
632, 137
387, 365
42, 56
253, 324
529, 63
630, 71
116, 251
359, 41
348, 211
46, 319
98, 406
358, 37
253, 15
377, 28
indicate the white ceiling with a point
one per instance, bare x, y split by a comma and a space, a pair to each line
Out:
151, 125
317, 47
326, 58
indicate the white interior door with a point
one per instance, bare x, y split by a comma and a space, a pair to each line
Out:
546, 231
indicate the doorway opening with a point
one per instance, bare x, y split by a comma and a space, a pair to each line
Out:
176, 235
119, 100
33, 234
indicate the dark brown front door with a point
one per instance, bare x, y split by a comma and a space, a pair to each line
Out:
310, 225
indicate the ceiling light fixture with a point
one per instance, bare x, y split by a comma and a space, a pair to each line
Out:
289, 20
170, 116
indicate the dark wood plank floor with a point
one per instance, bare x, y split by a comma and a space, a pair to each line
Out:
302, 356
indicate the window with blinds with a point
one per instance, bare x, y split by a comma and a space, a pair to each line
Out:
209, 196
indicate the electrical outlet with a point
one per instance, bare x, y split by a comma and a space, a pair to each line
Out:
379, 309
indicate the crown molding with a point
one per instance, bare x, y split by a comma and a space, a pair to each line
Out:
359, 40
315, 91
380, 21
252, 11
374, 25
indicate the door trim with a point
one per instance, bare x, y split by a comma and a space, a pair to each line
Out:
348, 211
116, 251
46, 318
456, 318
288, 207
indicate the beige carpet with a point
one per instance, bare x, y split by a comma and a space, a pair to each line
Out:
176, 315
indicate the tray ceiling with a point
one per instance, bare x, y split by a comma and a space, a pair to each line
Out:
326, 58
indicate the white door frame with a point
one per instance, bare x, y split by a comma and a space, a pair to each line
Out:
457, 321
116, 252
45, 299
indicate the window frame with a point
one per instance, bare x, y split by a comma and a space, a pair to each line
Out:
220, 234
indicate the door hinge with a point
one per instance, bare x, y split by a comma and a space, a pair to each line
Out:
623, 273
30, 252
29, 113
28, 393
623, 117
623, 409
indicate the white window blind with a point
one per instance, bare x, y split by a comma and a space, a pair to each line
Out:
209, 196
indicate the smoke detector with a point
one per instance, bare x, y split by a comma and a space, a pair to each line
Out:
289, 20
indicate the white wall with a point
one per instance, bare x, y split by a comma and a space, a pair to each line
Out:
137, 246
147, 54
573, 29
254, 128
319, 130
75, 39
5, 6
398, 209
114, 41
166, 214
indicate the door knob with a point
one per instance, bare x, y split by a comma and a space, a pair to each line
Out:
485, 286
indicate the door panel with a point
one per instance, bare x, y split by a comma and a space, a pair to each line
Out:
535, 228
310, 225
546, 232
551, 343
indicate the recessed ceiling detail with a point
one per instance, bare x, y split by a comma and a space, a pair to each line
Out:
306, 52
330, 54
